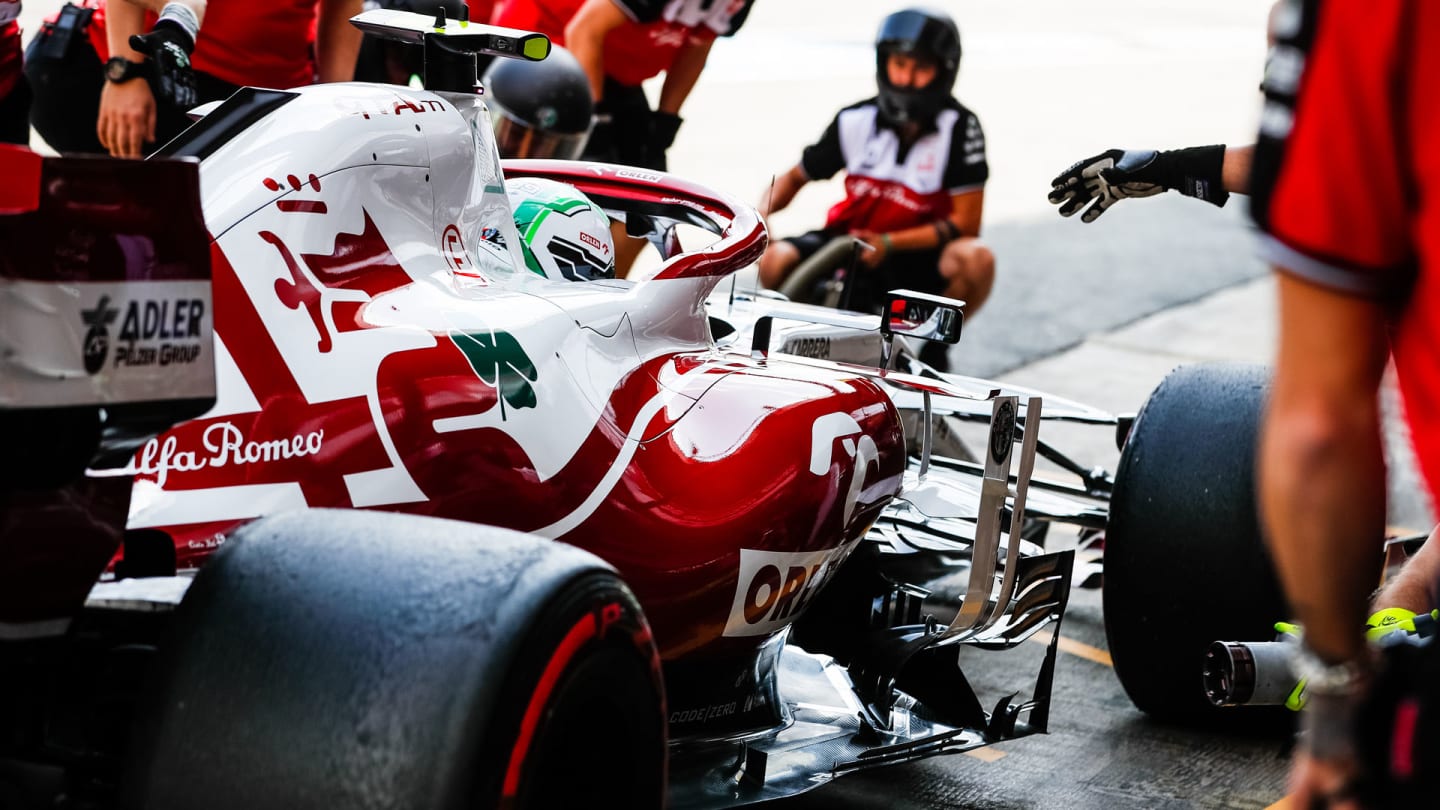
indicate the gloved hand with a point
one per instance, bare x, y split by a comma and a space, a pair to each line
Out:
1118, 174
663, 127
172, 80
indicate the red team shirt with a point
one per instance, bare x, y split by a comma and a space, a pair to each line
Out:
887, 189
1347, 176
9, 46
264, 43
634, 53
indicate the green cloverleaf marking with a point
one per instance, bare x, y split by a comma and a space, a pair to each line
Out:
500, 363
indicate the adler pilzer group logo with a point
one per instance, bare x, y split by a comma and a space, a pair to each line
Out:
97, 340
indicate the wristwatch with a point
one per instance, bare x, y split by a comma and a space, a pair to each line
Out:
119, 70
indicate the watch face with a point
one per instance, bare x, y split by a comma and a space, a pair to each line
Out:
119, 69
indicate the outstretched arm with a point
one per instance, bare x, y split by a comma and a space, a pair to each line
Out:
782, 191
1209, 173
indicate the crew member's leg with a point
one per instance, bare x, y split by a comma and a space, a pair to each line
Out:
968, 268
65, 76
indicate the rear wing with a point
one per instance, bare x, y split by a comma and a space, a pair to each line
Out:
105, 295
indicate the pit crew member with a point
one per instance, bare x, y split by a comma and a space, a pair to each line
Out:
915, 166
1343, 187
14, 90
88, 93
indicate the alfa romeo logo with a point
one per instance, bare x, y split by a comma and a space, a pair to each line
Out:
97, 340
1002, 433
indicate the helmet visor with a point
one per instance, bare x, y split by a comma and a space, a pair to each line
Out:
517, 139
903, 32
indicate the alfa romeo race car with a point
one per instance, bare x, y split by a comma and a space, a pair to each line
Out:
402, 523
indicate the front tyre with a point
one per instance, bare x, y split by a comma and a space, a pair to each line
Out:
1185, 564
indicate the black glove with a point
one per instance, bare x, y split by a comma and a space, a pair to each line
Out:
172, 80
1118, 174
663, 127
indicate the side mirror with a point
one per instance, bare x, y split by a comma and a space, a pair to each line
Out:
920, 315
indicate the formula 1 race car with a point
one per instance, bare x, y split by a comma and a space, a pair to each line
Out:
452, 533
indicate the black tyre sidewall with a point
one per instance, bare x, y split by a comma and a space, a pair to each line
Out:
1185, 563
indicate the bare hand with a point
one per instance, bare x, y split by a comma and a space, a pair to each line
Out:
877, 251
127, 118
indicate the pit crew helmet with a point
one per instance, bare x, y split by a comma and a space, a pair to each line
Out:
540, 109
922, 33
563, 235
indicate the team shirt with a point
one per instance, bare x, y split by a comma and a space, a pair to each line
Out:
888, 188
9, 46
635, 53
1347, 175
263, 43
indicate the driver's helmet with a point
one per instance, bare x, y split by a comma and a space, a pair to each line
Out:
540, 109
923, 33
563, 235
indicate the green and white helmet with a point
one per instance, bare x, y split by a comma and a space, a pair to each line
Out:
563, 236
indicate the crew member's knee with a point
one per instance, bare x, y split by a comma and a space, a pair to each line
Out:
779, 258
968, 267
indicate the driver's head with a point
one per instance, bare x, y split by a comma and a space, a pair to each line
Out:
563, 235
540, 109
917, 57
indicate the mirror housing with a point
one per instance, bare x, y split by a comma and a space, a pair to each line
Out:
923, 316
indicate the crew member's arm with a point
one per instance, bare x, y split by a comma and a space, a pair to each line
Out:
337, 42
680, 79
964, 220
585, 37
1235, 172
683, 73
197, 7
126, 120
1208, 173
783, 190
1413, 587
1322, 472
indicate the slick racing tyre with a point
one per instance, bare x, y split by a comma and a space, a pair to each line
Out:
339, 658
1185, 564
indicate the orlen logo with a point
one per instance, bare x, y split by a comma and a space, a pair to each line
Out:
775, 587
594, 243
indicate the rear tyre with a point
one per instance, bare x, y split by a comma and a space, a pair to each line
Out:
1185, 564
357, 659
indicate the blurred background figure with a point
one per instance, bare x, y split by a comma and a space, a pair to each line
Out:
540, 109
915, 166
14, 89
96, 92
620, 44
